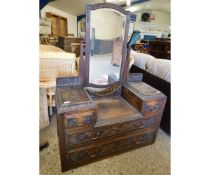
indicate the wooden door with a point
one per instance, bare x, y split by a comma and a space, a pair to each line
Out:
58, 24
54, 25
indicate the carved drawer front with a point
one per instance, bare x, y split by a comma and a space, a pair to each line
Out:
77, 138
104, 149
113, 130
152, 108
79, 119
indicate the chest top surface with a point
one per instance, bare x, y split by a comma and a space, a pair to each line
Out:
73, 95
144, 88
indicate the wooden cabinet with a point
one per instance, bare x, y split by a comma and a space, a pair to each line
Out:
160, 49
157, 48
58, 24
70, 45
91, 128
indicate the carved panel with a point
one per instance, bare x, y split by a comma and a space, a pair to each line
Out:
152, 108
80, 119
68, 81
103, 132
101, 150
72, 122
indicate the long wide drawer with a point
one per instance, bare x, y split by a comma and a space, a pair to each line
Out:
73, 139
76, 157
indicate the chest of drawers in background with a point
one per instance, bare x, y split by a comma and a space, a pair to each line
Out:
69, 44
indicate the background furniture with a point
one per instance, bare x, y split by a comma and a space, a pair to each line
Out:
54, 62
159, 48
43, 115
58, 24
70, 44
43, 111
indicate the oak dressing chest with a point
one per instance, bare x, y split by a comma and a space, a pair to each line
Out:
98, 119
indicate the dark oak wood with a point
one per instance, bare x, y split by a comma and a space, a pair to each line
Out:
157, 48
148, 100
109, 148
93, 128
95, 125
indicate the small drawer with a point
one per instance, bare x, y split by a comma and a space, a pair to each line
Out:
148, 105
80, 119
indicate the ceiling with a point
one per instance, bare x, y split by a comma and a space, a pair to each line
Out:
77, 7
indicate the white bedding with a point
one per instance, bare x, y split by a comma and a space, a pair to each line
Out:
140, 59
158, 67
54, 62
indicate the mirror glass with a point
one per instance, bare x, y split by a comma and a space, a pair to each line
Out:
107, 29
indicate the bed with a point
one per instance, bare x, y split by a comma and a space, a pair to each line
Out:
157, 73
54, 62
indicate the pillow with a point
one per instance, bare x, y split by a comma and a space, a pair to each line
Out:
141, 59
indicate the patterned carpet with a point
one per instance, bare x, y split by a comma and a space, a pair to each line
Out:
150, 160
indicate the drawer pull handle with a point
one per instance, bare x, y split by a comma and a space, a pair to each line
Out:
142, 126
94, 138
137, 143
92, 155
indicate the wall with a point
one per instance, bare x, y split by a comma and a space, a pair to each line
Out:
108, 25
160, 24
72, 20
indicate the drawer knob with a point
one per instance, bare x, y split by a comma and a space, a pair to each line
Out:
92, 155
137, 143
141, 126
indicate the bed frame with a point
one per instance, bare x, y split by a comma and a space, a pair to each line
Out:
162, 86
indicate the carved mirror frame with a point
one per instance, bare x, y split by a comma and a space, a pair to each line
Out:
89, 8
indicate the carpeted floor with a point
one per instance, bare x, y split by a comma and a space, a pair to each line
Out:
149, 160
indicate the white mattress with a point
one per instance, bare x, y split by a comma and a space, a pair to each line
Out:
57, 55
54, 62
158, 67
49, 51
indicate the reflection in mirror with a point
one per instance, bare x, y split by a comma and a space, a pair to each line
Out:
107, 28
